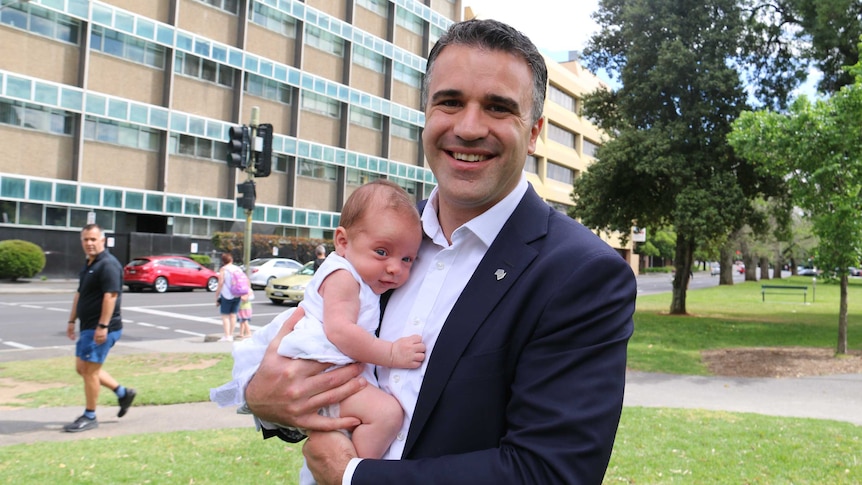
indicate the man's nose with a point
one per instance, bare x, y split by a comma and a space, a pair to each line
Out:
471, 123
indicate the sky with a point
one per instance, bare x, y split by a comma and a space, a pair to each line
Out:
555, 26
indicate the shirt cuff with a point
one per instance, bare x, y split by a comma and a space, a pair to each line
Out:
348, 472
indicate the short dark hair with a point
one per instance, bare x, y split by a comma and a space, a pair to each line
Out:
496, 36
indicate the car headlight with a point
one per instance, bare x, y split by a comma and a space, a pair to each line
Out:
298, 287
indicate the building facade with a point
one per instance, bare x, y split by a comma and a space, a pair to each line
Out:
119, 111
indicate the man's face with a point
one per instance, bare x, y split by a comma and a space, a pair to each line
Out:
478, 127
93, 242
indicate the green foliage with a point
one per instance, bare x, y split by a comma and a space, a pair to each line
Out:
201, 259
298, 248
20, 259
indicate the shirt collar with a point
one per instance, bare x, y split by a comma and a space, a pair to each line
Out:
485, 226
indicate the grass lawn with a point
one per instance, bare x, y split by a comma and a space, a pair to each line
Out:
654, 446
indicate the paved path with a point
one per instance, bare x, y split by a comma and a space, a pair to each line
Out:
826, 397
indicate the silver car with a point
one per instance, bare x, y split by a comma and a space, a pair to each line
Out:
264, 270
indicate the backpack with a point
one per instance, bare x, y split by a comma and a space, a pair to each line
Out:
239, 285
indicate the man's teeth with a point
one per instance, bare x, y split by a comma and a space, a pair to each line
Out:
464, 157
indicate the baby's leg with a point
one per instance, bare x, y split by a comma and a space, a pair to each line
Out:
381, 417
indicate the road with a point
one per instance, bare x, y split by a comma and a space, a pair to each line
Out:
39, 320
36, 320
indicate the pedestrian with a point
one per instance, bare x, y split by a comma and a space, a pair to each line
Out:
526, 314
319, 256
244, 314
228, 295
97, 306
375, 246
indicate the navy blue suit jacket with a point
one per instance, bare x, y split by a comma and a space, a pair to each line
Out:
525, 384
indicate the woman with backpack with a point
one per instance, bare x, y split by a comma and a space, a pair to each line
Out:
232, 286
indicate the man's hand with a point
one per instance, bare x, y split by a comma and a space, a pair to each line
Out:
70, 331
100, 336
407, 353
291, 391
327, 455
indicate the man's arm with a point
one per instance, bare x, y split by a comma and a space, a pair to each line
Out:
73, 315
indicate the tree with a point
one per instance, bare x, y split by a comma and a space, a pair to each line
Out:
668, 163
817, 147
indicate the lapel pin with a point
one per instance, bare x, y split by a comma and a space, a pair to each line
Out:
500, 274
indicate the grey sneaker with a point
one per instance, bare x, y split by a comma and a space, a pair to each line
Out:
126, 401
81, 424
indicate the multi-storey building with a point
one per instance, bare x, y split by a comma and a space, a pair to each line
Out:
119, 110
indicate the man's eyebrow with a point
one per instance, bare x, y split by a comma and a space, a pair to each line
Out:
506, 101
446, 93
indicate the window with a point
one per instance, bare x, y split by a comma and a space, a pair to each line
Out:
562, 98
279, 162
274, 20
368, 59
127, 47
268, 88
35, 117
380, 7
531, 165
560, 173
133, 136
325, 41
561, 135
229, 6
360, 177
203, 69
365, 118
310, 168
192, 146
590, 148
408, 76
320, 104
409, 21
40, 21
406, 130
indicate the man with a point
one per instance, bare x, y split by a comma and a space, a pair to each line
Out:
319, 256
97, 305
525, 313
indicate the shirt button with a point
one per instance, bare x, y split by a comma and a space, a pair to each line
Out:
396, 378
400, 437
440, 265
416, 321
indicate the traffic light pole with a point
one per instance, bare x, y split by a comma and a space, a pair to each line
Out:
246, 246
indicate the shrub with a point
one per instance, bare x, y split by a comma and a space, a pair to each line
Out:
20, 259
201, 259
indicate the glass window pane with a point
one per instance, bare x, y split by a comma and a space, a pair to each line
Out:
12, 187
65, 193
40, 190
31, 214
56, 216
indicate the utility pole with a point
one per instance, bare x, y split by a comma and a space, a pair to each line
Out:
250, 150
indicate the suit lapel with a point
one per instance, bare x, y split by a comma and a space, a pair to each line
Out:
499, 270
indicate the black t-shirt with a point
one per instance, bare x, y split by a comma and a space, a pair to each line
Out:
105, 275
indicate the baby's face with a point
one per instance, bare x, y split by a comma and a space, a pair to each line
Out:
382, 248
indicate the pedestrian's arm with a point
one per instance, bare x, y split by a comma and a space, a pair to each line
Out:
109, 302
73, 315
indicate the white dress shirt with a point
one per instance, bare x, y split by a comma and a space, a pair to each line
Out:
421, 306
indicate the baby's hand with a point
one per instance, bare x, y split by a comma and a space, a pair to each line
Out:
407, 353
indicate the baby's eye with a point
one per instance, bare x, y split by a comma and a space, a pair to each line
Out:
380, 252
407, 259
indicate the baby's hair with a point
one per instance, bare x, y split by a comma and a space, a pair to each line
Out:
375, 197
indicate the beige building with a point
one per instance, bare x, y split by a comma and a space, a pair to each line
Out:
119, 110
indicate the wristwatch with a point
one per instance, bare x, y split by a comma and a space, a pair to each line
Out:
101, 325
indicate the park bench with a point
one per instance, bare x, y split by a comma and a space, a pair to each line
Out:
764, 289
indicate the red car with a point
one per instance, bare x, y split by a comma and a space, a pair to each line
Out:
163, 272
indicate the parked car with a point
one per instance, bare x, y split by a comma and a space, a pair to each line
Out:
714, 269
855, 271
163, 272
290, 289
806, 271
264, 270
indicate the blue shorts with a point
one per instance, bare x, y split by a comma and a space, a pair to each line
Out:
87, 350
229, 306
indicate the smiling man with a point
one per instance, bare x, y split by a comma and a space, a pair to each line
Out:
525, 313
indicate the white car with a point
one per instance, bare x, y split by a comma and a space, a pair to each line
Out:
264, 270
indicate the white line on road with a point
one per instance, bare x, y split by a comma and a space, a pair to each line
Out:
17, 345
195, 334
178, 316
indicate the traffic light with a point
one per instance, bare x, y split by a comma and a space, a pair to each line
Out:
246, 195
237, 147
263, 158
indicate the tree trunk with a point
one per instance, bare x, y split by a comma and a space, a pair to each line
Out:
779, 266
725, 254
764, 268
842, 317
682, 263
750, 267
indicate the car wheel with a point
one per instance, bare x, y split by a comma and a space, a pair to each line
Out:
212, 284
161, 284
276, 302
